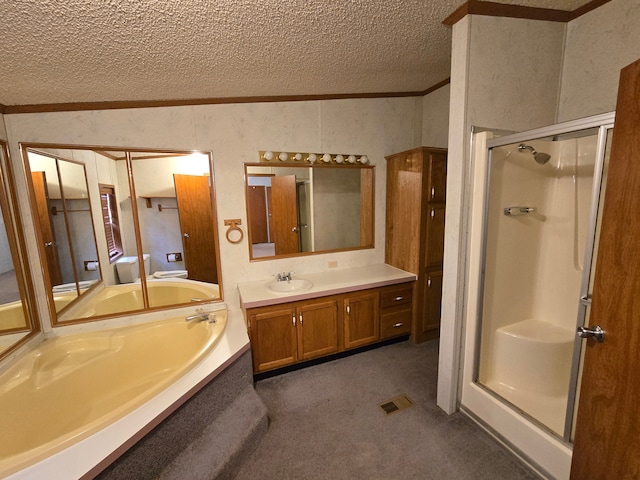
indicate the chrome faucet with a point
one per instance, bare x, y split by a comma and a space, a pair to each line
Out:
202, 316
281, 277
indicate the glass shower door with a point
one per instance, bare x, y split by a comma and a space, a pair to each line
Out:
538, 235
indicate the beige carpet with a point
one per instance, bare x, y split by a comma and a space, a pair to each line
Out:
326, 423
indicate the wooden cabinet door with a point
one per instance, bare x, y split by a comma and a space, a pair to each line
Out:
361, 319
318, 329
434, 247
273, 338
437, 177
432, 298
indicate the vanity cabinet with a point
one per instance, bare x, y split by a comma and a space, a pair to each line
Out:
285, 334
414, 240
361, 324
288, 333
396, 311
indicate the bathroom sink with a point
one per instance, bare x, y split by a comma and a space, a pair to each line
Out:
294, 285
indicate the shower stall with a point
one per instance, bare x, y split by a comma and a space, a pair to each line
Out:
533, 232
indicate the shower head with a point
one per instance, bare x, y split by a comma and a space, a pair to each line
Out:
539, 157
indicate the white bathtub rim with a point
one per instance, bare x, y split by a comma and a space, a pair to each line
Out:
98, 450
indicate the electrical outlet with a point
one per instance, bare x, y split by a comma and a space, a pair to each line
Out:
332, 264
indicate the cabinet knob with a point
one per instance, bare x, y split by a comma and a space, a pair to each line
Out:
433, 192
398, 325
398, 298
348, 309
301, 319
293, 320
429, 282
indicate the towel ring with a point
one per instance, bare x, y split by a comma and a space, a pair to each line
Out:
233, 227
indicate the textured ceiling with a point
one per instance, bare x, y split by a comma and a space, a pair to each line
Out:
54, 51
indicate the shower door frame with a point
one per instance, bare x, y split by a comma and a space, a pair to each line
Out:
542, 439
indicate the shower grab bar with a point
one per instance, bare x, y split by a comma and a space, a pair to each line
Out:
517, 211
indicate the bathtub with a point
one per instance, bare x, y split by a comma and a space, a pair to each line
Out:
12, 316
71, 392
114, 299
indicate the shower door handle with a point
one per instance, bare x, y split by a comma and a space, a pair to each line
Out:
596, 332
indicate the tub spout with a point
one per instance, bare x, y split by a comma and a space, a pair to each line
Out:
202, 317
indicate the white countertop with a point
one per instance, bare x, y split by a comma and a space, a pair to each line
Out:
256, 294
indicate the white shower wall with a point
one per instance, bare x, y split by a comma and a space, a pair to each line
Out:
533, 262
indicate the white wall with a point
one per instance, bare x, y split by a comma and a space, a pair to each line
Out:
598, 45
505, 74
435, 118
235, 133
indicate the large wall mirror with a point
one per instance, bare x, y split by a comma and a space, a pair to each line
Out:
304, 209
123, 230
17, 309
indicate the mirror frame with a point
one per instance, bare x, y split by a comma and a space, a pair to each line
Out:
127, 152
17, 246
367, 214
65, 213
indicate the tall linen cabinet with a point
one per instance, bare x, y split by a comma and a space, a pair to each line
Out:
416, 187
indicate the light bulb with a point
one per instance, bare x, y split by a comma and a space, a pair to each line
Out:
298, 156
351, 159
283, 156
268, 155
312, 157
364, 159
326, 158
339, 159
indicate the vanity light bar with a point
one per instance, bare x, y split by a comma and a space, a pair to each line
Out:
328, 158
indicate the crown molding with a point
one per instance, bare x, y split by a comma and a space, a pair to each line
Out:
493, 9
80, 106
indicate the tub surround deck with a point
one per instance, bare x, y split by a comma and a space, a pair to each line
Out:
256, 294
90, 455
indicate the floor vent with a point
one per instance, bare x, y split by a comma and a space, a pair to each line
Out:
396, 404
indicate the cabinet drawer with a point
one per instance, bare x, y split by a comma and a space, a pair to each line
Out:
398, 296
396, 322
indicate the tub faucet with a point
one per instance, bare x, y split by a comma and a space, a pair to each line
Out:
201, 316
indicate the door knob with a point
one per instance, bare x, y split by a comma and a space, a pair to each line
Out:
185, 235
48, 244
595, 332
294, 229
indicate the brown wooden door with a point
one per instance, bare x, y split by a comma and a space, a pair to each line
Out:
273, 338
196, 222
46, 227
318, 329
361, 319
257, 206
607, 435
284, 213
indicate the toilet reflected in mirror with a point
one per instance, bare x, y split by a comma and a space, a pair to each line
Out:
154, 225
